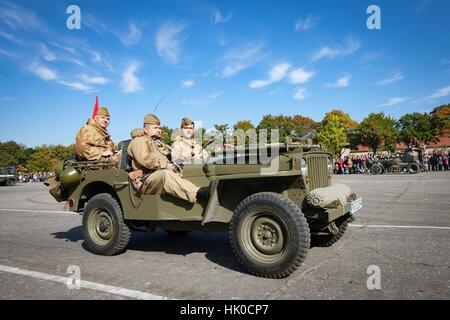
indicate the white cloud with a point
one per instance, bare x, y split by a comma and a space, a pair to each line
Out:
9, 54
394, 101
305, 24
18, 17
187, 83
300, 94
395, 77
300, 75
340, 83
133, 37
11, 37
349, 47
445, 61
439, 93
130, 83
168, 42
277, 73
202, 101
218, 18
46, 53
76, 86
242, 58
43, 72
93, 80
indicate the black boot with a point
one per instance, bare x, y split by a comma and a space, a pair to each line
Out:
204, 192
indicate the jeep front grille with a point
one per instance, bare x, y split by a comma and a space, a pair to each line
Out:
317, 171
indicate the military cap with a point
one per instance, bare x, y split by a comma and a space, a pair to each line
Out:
137, 132
151, 119
103, 111
186, 122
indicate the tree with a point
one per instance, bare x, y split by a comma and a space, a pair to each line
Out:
305, 126
242, 133
332, 135
334, 131
166, 135
344, 119
441, 118
284, 124
418, 125
376, 130
12, 153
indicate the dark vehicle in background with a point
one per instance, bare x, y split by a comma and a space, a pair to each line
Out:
408, 161
8, 176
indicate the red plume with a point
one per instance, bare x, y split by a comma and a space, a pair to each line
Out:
95, 108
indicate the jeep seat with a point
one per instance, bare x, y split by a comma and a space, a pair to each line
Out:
125, 161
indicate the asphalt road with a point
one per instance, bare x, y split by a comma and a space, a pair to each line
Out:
403, 231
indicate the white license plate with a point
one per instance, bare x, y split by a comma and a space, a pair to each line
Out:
355, 205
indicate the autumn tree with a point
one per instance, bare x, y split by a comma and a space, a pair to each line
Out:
244, 130
332, 135
418, 125
377, 130
305, 126
334, 130
441, 118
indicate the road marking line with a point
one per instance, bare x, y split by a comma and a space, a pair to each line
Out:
38, 211
390, 226
86, 284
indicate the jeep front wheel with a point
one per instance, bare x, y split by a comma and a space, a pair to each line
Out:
105, 231
269, 235
413, 168
340, 226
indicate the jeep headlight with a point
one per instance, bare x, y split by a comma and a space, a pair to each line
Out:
330, 164
304, 167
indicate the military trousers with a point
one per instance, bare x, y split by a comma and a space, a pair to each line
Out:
167, 181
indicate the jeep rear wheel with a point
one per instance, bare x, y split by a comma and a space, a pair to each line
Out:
269, 235
10, 183
105, 231
413, 168
377, 169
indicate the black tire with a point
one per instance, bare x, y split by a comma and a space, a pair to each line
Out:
329, 240
177, 233
269, 235
10, 183
413, 168
105, 231
377, 169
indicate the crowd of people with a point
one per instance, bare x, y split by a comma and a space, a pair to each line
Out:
357, 164
34, 176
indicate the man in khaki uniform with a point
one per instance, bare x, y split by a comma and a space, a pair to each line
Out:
185, 148
159, 175
93, 141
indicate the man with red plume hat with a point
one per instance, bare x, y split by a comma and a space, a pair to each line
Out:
93, 142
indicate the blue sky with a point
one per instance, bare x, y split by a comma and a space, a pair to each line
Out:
215, 62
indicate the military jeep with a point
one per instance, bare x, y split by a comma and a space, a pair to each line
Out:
8, 176
407, 161
271, 206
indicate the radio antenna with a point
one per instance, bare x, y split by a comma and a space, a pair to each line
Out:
161, 101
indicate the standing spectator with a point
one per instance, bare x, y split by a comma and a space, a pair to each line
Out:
445, 162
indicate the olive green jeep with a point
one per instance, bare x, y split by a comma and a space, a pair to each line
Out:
272, 200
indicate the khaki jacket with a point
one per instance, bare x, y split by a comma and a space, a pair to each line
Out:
187, 149
91, 141
147, 154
